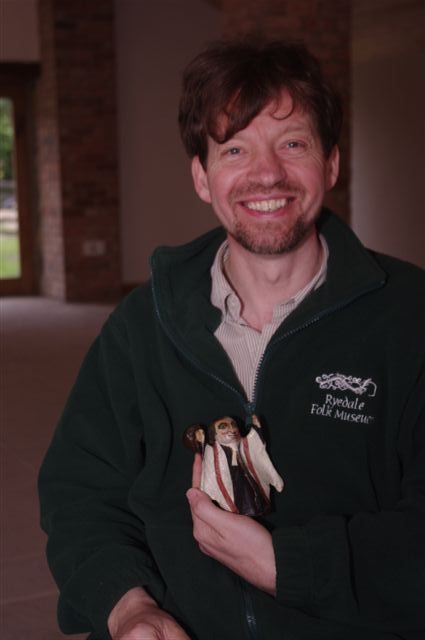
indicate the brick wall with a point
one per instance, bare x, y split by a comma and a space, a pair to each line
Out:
77, 151
76, 130
324, 26
48, 165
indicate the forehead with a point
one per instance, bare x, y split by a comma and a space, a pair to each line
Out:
280, 108
281, 113
224, 424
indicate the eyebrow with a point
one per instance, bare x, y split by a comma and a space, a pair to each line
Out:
295, 128
291, 128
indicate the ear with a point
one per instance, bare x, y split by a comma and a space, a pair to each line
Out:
332, 168
200, 180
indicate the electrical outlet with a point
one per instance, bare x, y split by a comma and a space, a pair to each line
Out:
93, 248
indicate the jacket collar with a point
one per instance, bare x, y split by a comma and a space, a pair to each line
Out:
181, 284
352, 273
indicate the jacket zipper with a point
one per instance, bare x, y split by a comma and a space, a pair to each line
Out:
251, 620
249, 407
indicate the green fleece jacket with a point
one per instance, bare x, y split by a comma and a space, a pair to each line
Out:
340, 394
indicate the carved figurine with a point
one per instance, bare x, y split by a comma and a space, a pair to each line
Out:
236, 470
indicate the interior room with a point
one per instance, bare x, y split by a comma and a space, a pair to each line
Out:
99, 178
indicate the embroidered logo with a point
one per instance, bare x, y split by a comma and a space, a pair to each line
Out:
336, 399
341, 382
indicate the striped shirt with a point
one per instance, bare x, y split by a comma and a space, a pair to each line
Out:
244, 344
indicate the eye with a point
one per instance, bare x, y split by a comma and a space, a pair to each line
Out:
233, 151
295, 144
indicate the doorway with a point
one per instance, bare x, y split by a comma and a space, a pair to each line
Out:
17, 227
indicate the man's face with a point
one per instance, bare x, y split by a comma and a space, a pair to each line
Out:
267, 183
226, 431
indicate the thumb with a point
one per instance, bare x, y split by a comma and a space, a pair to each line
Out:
202, 506
197, 471
194, 496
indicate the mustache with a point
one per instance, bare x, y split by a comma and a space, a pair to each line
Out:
283, 187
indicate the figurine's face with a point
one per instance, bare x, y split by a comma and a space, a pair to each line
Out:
199, 435
226, 431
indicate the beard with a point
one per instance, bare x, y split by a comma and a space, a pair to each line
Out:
274, 237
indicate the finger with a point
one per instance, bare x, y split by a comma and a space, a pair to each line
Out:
178, 634
196, 496
175, 632
205, 510
197, 471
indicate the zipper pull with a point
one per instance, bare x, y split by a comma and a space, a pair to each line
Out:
250, 417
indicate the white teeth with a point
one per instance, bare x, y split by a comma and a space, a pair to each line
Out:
266, 205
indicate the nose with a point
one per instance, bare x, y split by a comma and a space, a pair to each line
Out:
266, 168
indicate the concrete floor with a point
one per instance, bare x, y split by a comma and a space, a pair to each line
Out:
42, 345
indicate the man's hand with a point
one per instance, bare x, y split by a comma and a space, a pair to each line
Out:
238, 542
137, 617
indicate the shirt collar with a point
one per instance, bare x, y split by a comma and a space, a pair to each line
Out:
225, 298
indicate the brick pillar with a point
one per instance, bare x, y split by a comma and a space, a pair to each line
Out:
77, 151
324, 26
48, 165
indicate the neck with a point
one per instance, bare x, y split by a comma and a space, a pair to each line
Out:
263, 281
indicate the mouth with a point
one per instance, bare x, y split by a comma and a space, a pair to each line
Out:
270, 206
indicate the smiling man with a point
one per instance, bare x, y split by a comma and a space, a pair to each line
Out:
280, 313
266, 185
267, 182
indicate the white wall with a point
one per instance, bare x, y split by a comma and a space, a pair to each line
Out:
388, 146
19, 40
158, 206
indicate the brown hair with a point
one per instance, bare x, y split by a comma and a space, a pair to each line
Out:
239, 78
